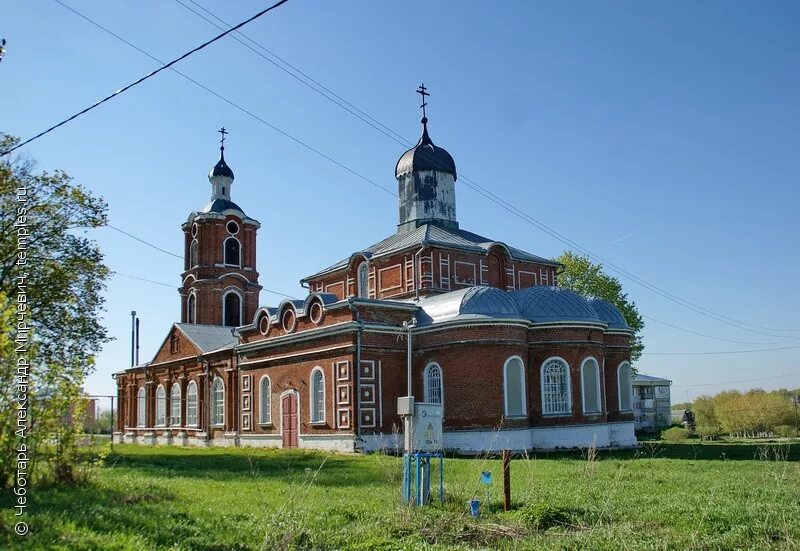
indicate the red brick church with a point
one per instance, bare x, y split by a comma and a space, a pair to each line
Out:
515, 361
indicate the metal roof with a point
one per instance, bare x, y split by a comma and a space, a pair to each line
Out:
425, 156
642, 378
220, 205
208, 337
609, 313
435, 235
536, 304
221, 168
543, 304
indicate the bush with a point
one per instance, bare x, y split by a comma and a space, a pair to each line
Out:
675, 434
542, 516
784, 430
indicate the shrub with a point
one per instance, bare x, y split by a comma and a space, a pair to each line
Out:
675, 434
784, 430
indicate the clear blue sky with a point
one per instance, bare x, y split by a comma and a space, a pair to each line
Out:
663, 137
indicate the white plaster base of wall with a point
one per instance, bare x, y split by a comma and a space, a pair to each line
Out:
328, 442
602, 435
261, 440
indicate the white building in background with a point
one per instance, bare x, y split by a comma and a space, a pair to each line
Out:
652, 406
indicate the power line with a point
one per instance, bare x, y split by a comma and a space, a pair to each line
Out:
231, 103
719, 352
114, 272
384, 129
470, 183
140, 240
147, 76
712, 336
739, 381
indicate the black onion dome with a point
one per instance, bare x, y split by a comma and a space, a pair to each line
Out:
425, 156
221, 169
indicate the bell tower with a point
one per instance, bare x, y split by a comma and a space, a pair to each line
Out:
220, 280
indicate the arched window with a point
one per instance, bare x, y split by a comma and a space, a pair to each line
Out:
232, 309
191, 308
161, 406
555, 387
363, 280
232, 252
265, 401
590, 385
141, 408
432, 377
317, 396
191, 404
514, 384
625, 385
218, 402
175, 406
193, 254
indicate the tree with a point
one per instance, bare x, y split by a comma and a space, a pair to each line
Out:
588, 279
44, 218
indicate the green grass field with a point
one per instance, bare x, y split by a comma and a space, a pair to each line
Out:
662, 496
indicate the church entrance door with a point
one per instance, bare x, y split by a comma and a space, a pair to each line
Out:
289, 420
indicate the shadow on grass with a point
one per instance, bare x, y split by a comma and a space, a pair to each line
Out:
221, 465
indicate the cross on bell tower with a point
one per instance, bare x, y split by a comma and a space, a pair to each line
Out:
223, 133
422, 91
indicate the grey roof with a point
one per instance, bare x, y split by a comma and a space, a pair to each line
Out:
609, 313
544, 304
208, 337
425, 156
642, 378
473, 302
537, 304
220, 205
435, 235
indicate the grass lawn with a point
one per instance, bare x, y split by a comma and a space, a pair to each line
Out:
662, 496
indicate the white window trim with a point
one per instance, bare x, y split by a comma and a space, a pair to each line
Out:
426, 389
225, 248
583, 387
568, 413
141, 407
172, 405
261, 420
194, 259
191, 385
213, 402
163, 402
191, 307
522, 387
311, 398
362, 292
225, 308
619, 387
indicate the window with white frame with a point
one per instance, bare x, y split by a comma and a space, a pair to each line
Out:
555, 387
265, 401
161, 406
625, 384
232, 309
514, 385
590, 385
191, 308
193, 254
218, 402
191, 404
175, 405
317, 396
432, 382
141, 408
233, 252
363, 280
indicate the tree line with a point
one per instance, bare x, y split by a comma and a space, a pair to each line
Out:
747, 414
